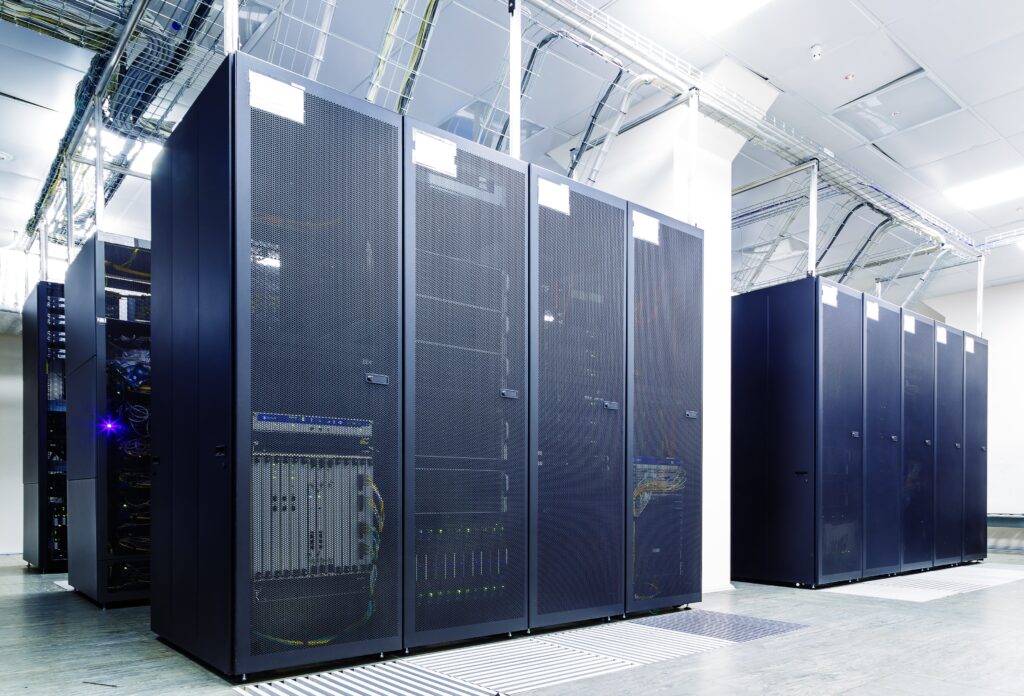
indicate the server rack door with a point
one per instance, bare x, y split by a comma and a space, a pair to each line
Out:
578, 347
975, 448
466, 452
949, 453
663, 489
882, 435
840, 481
918, 488
318, 177
33, 351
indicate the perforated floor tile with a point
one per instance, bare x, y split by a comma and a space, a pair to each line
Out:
633, 641
934, 584
713, 624
396, 678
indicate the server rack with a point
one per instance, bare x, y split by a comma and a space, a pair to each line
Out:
949, 452
798, 426
577, 393
918, 490
663, 411
466, 389
975, 448
45, 442
277, 227
883, 414
109, 400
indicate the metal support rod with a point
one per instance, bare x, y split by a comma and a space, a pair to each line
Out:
923, 280
230, 15
981, 295
44, 252
810, 164
386, 48
69, 208
812, 221
515, 76
110, 167
324, 31
100, 188
691, 174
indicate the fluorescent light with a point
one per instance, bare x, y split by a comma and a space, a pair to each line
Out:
709, 17
988, 190
143, 162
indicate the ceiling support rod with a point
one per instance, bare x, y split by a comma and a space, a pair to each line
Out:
230, 18
515, 77
775, 177
69, 207
925, 277
981, 294
101, 193
812, 221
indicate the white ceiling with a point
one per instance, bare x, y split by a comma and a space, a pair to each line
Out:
37, 84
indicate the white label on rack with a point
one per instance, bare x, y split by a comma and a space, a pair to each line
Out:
122, 308
829, 295
968, 344
909, 325
285, 100
553, 195
434, 153
645, 227
872, 310
940, 334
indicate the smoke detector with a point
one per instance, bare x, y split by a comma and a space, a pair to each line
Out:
5, 156
816, 51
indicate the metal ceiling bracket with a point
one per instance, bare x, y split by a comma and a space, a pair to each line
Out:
515, 76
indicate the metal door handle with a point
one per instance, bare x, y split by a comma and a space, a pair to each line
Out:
928, 443
374, 378
984, 448
957, 445
611, 405
894, 438
510, 393
855, 433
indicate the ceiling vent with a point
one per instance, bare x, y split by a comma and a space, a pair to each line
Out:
904, 103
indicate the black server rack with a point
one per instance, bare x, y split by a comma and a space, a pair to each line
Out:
975, 448
883, 414
663, 411
277, 231
798, 433
45, 443
107, 303
949, 452
578, 354
466, 389
918, 490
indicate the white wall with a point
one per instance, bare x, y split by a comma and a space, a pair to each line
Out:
1004, 328
10, 444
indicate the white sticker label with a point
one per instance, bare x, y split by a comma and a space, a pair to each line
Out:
553, 195
940, 334
830, 295
909, 325
434, 153
645, 227
285, 100
871, 308
968, 344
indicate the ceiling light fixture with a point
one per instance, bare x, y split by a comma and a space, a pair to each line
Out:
849, 76
988, 190
710, 18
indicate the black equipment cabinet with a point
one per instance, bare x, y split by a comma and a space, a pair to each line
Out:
883, 414
466, 393
107, 304
663, 411
45, 443
798, 433
918, 489
975, 448
578, 353
949, 452
277, 232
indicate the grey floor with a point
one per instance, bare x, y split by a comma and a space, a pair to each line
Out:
55, 642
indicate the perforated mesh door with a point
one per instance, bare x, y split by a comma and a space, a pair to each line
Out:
326, 312
918, 442
468, 534
840, 434
949, 453
975, 448
664, 506
580, 475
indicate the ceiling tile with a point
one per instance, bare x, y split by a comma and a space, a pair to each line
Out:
1006, 113
874, 60
778, 39
806, 120
937, 139
1017, 141
652, 20
971, 164
59, 53
943, 32
37, 80
988, 73
1001, 214
903, 105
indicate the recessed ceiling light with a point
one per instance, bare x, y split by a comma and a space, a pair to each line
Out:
710, 18
895, 114
849, 76
988, 190
5, 156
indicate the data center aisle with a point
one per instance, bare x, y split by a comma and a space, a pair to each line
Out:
56, 642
